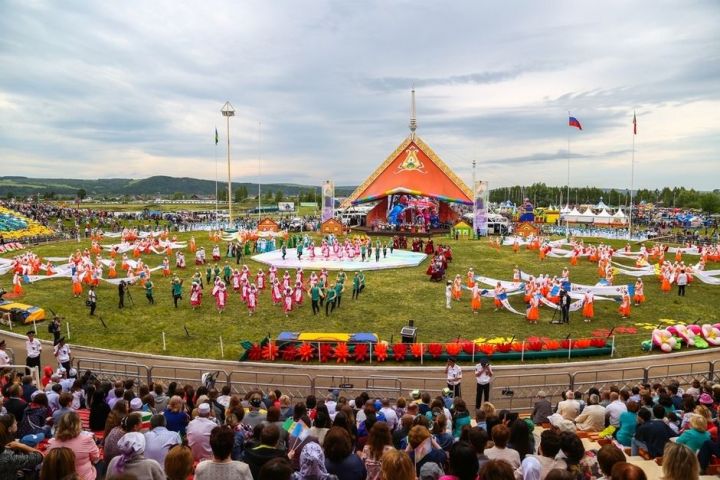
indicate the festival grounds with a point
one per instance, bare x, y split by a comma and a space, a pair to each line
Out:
392, 298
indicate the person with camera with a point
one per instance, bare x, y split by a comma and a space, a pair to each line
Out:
91, 300
483, 376
122, 287
62, 353
33, 347
454, 376
564, 306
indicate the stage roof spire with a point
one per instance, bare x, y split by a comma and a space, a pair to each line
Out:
413, 117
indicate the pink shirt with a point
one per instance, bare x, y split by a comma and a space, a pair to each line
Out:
86, 453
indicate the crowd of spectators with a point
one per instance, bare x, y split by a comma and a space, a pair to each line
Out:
84, 428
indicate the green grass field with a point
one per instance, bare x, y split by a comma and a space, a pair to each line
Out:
392, 297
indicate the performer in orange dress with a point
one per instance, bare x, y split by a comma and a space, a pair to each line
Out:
665, 287
112, 273
17, 284
49, 268
475, 302
470, 278
639, 296
166, 267
457, 288
192, 245
574, 257
77, 289
625, 305
499, 290
533, 313
588, 307
516, 245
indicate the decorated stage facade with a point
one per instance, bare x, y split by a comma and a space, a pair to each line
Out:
412, 188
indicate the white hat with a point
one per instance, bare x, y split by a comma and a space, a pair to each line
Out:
203, 408
136, 404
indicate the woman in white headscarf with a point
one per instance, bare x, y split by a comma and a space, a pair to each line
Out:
312, 464
530, 468
131, 460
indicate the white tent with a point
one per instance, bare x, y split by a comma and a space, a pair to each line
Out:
601, 205
586, 217
572, 216
620, 217
603, 217
564, 210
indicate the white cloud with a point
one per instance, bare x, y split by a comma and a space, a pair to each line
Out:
133, 89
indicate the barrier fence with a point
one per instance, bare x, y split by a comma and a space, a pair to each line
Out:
511, 391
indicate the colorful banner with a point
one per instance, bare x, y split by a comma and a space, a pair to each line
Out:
328, 201
480, 208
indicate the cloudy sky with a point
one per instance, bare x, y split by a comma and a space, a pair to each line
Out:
134, 88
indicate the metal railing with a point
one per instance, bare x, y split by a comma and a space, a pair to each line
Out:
517, 391
520, 391
294, 385
111, 371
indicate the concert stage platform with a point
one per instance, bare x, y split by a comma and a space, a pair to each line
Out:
408, 233
398, 259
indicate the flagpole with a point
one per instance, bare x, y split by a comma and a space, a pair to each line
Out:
259, 167
567, 220
216, 177
632, 177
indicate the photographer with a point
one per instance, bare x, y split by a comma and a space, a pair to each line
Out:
564, 306
122, 286
483, 375
91, 300
454, 376
54, 328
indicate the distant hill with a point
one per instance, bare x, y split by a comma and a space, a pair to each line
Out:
152, 186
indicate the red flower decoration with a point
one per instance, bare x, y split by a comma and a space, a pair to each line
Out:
399, 351
453, 349
516, 347
504, 347
552, 345
255, 352
341, 352
325, 351
468, 347
435, 350
361, 352
306, 352
289, 353
486, 348
582, 343
270, 351
598, 342
381, 352
417, 349
535, 346
601, 332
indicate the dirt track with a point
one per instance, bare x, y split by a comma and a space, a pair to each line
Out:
391, 381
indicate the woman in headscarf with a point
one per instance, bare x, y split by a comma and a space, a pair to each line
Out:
131, 460
312, 464
530, 468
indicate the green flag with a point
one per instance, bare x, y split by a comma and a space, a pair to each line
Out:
217, 139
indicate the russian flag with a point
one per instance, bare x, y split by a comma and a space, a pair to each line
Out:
573, 122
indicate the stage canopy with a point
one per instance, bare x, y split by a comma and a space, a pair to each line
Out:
412, 169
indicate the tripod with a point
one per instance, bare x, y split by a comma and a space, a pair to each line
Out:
129, 295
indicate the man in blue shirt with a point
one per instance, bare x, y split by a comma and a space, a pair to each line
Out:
652, 433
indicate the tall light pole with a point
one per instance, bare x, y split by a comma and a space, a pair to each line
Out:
227, 112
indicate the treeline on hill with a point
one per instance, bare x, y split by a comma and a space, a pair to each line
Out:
542, 195
163, 186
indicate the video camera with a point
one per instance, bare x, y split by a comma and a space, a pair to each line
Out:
507, 392
208, 379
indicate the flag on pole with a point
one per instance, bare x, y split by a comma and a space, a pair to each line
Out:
217, 139
634, 124
573, 122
